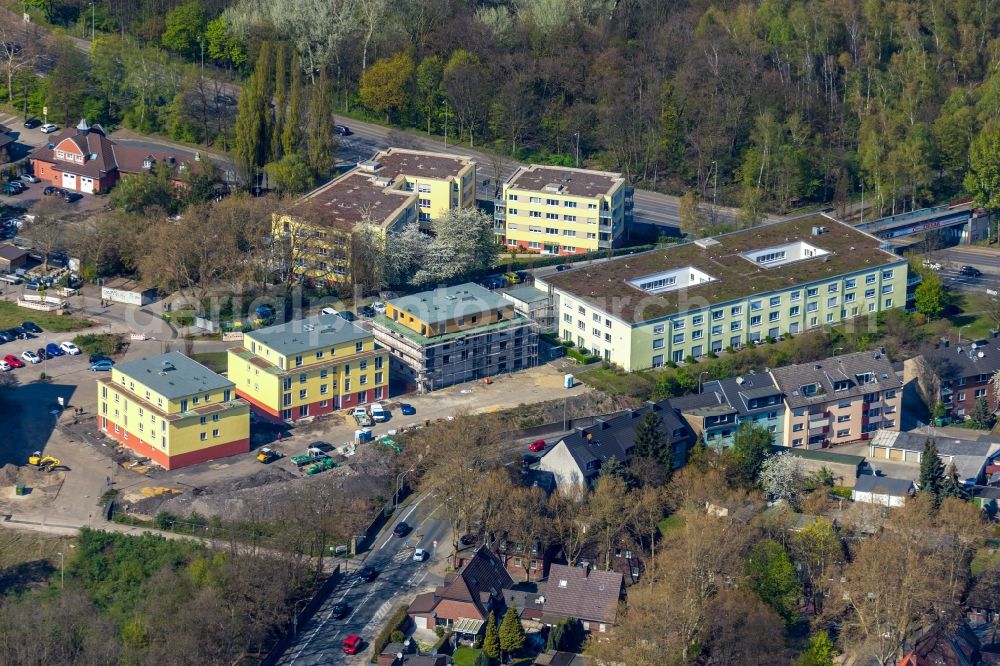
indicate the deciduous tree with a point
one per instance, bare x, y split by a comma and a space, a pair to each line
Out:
772, 577
385, 86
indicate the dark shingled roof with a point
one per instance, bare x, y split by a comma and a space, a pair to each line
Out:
482, 576
952, 360
586, 594
11, 252
847, 367
613, 436
738, 393
883, 485
850, 251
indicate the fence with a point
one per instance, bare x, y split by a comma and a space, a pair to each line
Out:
278, 649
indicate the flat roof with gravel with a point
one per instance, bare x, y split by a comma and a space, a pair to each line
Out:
565, 181
173, 375
302, 335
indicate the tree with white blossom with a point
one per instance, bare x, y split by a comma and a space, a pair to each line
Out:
781, 477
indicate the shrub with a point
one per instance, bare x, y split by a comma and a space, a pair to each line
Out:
690, 360
106, 344
671, 364
397, 636
396, 622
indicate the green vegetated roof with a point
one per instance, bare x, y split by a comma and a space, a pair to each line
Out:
396, 327
848, 250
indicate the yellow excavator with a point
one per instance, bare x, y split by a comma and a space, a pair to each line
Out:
47, 463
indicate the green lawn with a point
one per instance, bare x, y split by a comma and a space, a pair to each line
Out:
973, 318
614, 382
671, 524
215, 361
11, 315
465, 656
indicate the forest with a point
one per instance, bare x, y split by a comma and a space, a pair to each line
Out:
771, 105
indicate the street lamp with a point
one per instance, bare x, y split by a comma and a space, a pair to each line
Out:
703, 372
399, 481
62, 570
577, 135
295, 615
445, 122
715, 192
93, 22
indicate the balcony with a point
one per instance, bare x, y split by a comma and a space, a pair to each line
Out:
818, 421
607, 215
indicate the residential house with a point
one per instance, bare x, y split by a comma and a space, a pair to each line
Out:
971, 457
687, 300
956, 373
12, 258
944, 645
882, 490
841, 399
308, 367
84, 159
589, 595
722, 405
394, 188
455, 334
987, 498
558, 210
575, 461
407, 654
534, 304
466, 598
527, 602
172, 410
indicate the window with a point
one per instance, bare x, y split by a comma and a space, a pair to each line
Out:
773, 316
204, 436
364, 378
850, 283
980, 393
534, 213
812, 291
678, 324
678, 338
569, 204
775, 301
658, 343
844, 433
736, 310
832, 288
323, 389
754, 320
735, 326
536, 200
512, 211
302, 378
569, 232
551, 202
596, 332
302, 394
888, 302
658, 329
887, 275
796, 295
831, 302
960, 397
829, 317
697, 335
697, 320
202, 420
756, 305
870, 279
512, 197
569, 218
717, 315
849, 298
378, 377
843, 418
794, 311
658, 361
812, 307
215, 418
717, 330
551, 216
869, 293
215, 433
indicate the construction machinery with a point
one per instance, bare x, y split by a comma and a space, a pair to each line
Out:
47, 463
267, 456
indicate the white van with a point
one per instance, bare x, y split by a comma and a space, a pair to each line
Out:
328, 311
378, 414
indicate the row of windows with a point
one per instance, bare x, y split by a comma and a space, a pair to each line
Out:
535, 245
550, 202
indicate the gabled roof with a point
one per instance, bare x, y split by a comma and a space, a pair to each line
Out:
586, 594
736, 393
98, 151
823, 377
954, 360
614, 436
943, 647
970, 456
482, 576
883, 485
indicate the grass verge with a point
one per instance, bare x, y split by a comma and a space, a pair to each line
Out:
216, 361
12, 315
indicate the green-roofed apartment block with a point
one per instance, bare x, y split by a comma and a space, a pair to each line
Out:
455, 334
645, 310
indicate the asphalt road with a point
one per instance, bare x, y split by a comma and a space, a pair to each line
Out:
320, 640
983, 258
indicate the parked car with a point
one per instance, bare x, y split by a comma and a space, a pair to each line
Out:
32, 123
419, 555
401, 529
378, 413
494, 282
48, 128
19, 333
537, 446
41, 353
339, 610
70, 348
31, 327
367, 311
352, 644
562, 267
12, 189
5, 366
347, 315
406, 409
970, 271
30, 356
342, 130
30, 177
368, 573
360, 415
101, 366
379, 307
94, 358
52, 350
467, 539
70, 197
13, 361
225, 99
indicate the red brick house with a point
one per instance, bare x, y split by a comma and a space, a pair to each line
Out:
6, 142
466, 598
84, 159
586, 594
956, 374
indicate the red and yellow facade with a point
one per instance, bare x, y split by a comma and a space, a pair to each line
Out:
185, 428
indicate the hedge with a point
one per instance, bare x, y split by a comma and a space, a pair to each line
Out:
397, 621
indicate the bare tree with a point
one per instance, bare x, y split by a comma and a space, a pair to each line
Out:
18, 51
48, 231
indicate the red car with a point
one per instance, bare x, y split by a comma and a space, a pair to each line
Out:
537, 445
13, 361
352, 644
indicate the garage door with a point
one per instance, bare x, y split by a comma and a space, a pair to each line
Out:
421, 622
895, 454
69, 181
86, 185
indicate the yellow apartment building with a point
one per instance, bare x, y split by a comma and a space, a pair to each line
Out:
173, 410
558, 210
309, 367
392, 189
